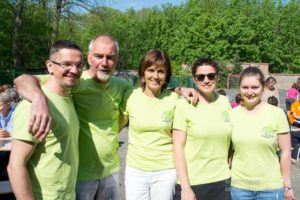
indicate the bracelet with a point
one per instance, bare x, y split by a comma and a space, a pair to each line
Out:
288, 188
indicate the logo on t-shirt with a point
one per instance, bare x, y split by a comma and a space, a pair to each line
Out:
167, 116
268, 132
225, 116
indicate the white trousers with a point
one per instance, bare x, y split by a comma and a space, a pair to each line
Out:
144, 185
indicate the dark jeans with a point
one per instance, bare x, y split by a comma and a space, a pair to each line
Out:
295, 136
288, 103
4, 158
211, 191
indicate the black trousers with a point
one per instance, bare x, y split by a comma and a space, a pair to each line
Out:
295, 136
4, 158
211, 191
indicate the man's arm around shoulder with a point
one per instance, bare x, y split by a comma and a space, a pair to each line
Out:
40, 118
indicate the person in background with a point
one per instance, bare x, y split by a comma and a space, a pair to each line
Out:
294, 119
298, 84
6, 113
294, 114
273, 101
291, 97
259, 129
150, 173
238, 101
48, 170
222, 92
270, 89
201, 139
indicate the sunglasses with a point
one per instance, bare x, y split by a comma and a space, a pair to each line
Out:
210, 76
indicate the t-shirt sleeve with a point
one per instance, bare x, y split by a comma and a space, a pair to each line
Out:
282, 123
43, 78
127, 92
21, 122
180, 117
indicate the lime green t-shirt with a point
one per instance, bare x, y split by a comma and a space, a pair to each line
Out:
98, 107
208, 130
150, 123
255, 164
53, 166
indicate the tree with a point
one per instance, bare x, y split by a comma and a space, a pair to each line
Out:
16, 35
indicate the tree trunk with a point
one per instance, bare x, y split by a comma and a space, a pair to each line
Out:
58, 7
16, 37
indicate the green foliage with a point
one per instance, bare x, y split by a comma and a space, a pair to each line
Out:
6, 30
230, 31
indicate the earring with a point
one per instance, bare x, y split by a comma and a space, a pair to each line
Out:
51, 73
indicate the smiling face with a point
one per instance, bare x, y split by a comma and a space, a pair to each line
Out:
251, 90
155, 77
206, 78
102, 59
66, 67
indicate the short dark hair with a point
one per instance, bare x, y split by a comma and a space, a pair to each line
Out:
157, 58
222, 92
273, 100
270, 78
238, 98
63, 44
252, 71
204, 61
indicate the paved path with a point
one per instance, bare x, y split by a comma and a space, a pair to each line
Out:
122, 153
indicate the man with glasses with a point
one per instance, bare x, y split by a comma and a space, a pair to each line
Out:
98, 99
48, 169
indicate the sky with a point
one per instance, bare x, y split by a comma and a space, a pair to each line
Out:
123, 5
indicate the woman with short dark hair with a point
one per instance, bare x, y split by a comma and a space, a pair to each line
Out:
150, 173
201, 137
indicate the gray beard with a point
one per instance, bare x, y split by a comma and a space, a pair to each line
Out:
103, 77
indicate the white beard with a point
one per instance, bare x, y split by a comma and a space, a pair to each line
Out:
103, 76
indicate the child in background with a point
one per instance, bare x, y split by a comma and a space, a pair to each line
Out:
291, 96
273, 101
238, 101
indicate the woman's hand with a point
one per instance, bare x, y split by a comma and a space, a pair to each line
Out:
187, 194
289, 195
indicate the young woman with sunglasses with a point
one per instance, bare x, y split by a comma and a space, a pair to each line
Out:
259, 130
201, 139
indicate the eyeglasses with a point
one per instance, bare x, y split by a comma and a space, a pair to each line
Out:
69, 65
210, 76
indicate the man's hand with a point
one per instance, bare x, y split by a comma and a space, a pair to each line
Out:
4, 133
40, 118
190, 94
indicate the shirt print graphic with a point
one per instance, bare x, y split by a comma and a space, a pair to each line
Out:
268, 132
225, 116
167, 116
